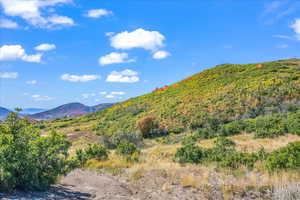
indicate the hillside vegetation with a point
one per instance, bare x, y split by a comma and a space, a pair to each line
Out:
209, 132
215, 96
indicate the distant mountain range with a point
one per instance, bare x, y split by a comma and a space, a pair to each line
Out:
66, 110
31, 111
69, 110
4, 112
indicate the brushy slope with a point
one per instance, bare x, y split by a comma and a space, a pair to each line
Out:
207, 99
218, 95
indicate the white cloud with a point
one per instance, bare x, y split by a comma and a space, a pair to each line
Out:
33, 58
161, 54
12, 75
113, 58
78, 78
109, 34
126, 76
61, 20
32, 11
296, 27
140, 38
88, 95
31, 82
109, 96
97, 13
6, 23
117, 93
114, 94
37, 97
45, 47
16, 52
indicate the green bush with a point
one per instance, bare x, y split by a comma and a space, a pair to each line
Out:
93, 151
233, 128
237, 159
96, 151
224, 143
190, 153
269, 126
223, 153
287, 157
292, 123
128, 150
113, 141
29, 161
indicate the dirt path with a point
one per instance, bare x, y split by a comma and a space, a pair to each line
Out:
79, 185
88, 185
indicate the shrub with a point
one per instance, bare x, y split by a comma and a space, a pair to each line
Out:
233, 128
237, 159
128, 150
224, 143
113, 141
269, 126
287, 157
148, 126
93, 151
96, 151
190, 153
29, 161
292, 123
223, 153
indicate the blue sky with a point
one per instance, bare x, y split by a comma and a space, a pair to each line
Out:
59, 51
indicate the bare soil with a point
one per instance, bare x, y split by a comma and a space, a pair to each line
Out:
90, 185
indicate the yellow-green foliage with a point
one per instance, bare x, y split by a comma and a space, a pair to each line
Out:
223, 93
212, 97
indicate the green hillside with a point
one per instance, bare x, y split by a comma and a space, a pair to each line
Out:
212, 97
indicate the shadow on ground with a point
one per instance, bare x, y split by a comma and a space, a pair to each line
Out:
58, 192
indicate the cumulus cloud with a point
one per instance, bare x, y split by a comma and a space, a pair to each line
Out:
97, 13
140, 38
161, 54
79, 78
114, 58
6, 23
126, 76
296, 27
33, 58
45, 47
16, 52
12, 75
31, 82
32, 12
37, 97
103, 93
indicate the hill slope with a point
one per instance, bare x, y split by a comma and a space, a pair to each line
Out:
214, 96
69, 110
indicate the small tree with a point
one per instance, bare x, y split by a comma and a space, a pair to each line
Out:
148, 126
29, 161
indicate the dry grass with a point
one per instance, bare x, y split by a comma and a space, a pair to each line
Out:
159, 158
246, 142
